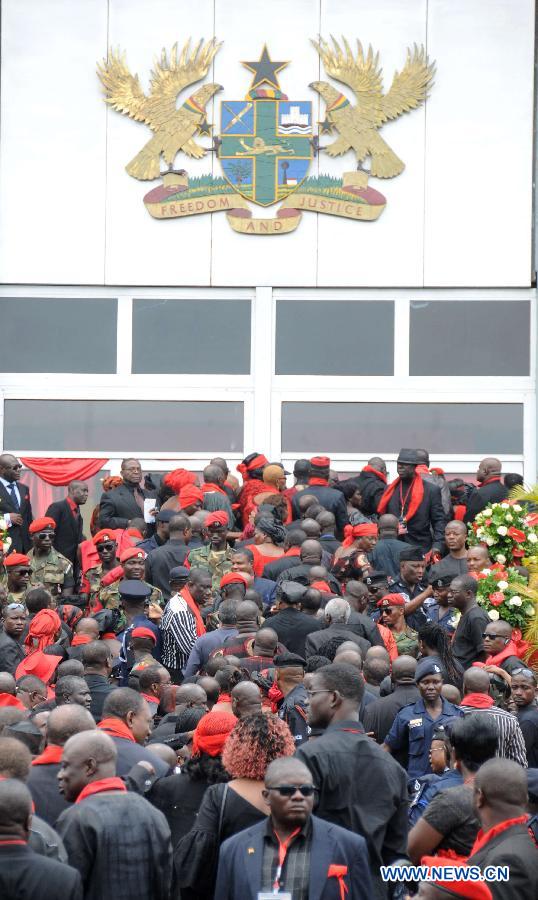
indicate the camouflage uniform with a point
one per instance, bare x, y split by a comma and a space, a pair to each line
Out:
53, 571
406, 642
218, 562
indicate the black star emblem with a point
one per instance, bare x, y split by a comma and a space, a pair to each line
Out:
204, 127
325, 127
265, 70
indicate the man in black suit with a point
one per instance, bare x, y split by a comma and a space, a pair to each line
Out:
331, 499
15, 505
66, 514
322, 860
292, 625
416, 504
491, 489
24, 873
125, 502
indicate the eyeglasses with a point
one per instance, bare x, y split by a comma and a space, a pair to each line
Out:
12, 606
288, 790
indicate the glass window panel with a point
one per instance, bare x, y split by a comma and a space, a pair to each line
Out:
191, 336
488, 428
334, 338
58, 335
449, 337
128, 426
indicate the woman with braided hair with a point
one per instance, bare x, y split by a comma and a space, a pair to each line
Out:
434, 641
228, 808
268, 543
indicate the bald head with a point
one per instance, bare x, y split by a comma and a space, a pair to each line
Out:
247, 614
287, 769
488, 468
311, 553
88, 627
305, 500
352, 657
87, 757
379, 652
214, 475
7, 683
388, 522
67, 720
502, 786
164, 752
403, 669
476, 681
266, 641
189, 695
246, 699
15, 808
311, 528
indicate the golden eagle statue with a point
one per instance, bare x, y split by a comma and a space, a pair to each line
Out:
358, 125
174, 129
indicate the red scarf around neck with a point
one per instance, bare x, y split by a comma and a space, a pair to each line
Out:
9, 700
477, 701
381, 475
149, 698
323, 482
189, 600
80, 639
51, 754
484, 837
490, 480
209, 488
416, 495
511, 649
99, 787
116, 728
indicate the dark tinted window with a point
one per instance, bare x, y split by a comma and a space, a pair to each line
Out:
53, 335
125, 426
449, 337
334, 338
191, 336
488, 428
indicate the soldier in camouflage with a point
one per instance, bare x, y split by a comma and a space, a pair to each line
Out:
132, 569
217, 554
392, 616
107, 549
48, 567
17, 568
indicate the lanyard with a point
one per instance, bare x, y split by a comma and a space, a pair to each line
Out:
282, 851
403, 500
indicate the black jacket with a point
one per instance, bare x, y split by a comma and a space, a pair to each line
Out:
20, 538
317, 639
121, 846
494, 492
362, 789
129, 754
365, 628
293, 711
68, 529
11, 653
331, 500
24, 873
371, 488
161, 560
514, 848
299, 572
293, 627
274, 569
42, 783
429, 520
100, 688
118, 507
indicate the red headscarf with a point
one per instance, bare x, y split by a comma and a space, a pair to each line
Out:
211, 733
179, 478
354, 531
43, 627
189, 495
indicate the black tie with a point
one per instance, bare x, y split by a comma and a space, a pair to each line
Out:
14, 498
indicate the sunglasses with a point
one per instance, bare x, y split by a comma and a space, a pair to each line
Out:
288, 790
108, 546
493, 636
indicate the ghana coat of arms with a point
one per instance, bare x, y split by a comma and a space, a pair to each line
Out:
266, 142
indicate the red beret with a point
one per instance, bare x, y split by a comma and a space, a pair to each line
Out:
189, 495
41, 524
474, 890
16, 559
103, 535
141, 632
132, 553
233, 578
320, 462
391, 600
42, 665
216, 518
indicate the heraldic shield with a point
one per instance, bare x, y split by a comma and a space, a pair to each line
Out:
265, 144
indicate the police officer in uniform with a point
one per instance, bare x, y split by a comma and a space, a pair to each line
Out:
49, 567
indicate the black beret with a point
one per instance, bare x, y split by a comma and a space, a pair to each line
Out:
178, 572
440, 581
164, 515
426, 666
288, 659
375, 578
408, 457
133, 590
413, 554
291, 591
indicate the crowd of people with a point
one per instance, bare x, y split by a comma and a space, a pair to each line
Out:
237, 687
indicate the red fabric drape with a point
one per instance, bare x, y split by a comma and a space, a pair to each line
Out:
60, 472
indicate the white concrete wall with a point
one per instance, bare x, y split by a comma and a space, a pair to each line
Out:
459, 215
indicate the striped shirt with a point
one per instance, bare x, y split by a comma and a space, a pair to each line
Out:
178, 626
511, 744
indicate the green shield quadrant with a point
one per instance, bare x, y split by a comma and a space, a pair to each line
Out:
261, 163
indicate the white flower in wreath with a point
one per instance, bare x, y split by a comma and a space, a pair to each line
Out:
517, 508
486, 571
479, 532
502, 530
532, 538
3, 525
493, 615
528, 610
500, 558
6, 545
490, 541
502, 585
487, 512
509, 517
505, 506
515, 601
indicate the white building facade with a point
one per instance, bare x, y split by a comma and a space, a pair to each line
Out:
177, 340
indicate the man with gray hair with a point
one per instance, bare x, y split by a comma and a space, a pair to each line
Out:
337, 613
